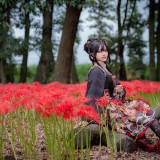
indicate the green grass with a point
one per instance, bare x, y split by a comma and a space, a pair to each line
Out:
82, 71
152, 98
18, 133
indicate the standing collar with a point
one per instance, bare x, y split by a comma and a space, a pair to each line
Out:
102, 64
103, 67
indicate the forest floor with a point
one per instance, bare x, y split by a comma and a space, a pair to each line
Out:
95, 152
137, 155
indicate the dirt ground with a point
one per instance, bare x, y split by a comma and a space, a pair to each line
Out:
95, 152
104, 154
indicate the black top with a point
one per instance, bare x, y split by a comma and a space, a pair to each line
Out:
96, 86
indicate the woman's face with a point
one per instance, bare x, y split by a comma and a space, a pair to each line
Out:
102, 55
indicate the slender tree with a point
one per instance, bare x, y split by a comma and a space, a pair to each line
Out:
152, 70
5, 22
122, 70
65, 54
119, 35
122, 37
158, 43
23, 72
74, 74
46, 62
8, 43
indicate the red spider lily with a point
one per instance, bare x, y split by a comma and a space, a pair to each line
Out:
148, 110
66, 108
88, 112
81, 99
60, 99
141, 98
5, 107
103, 101
117, 101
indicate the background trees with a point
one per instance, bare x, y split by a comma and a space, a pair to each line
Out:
8, 44
152, 39
121, 23
47, 61
26, 22
65, 53
158, 42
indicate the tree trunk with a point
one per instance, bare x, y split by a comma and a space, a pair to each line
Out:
158, 44
119, 36
74, 76
3, 64
46, 63
23, 73
9, 70
151, 39
2, 72
64, 59
122, 70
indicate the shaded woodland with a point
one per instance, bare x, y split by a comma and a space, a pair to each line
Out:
63, 17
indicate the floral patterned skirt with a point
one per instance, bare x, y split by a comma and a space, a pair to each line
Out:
132, 117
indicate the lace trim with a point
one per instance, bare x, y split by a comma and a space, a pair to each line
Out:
105, 71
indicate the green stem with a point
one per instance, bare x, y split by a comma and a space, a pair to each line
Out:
48, 141
81, 143
1, 136
15, 156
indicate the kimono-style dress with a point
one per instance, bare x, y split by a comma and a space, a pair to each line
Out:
131, 117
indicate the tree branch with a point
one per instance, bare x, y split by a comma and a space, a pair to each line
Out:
130, 20
125, 17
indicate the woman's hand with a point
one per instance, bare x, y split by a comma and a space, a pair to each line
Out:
119, 88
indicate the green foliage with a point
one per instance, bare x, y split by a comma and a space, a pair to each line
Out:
100, 16
11, 48
82, 71
153, 98
17, 73
77, 3
31, 73
136, 46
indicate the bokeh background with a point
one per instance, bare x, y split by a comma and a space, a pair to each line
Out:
43, 40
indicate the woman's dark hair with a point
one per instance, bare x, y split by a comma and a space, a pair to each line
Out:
92, 46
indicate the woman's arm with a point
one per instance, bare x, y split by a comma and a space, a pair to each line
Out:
95, 87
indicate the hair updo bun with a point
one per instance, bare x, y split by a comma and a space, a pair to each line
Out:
92, 47
86, 45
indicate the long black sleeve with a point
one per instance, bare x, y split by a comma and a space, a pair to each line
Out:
95, 87
123, 95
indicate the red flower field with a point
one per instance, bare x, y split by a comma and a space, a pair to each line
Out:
66, 99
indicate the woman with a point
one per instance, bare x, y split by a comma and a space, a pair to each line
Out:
132, 117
